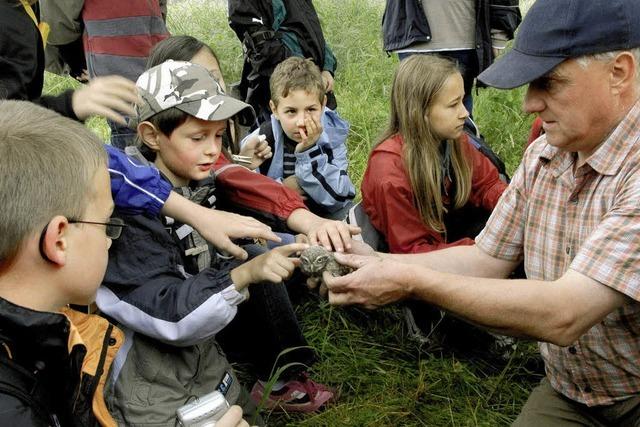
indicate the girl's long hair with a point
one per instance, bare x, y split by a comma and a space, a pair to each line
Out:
416, 83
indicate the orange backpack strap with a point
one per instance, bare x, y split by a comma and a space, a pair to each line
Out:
43, 27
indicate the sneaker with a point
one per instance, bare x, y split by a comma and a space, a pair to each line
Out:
298, 395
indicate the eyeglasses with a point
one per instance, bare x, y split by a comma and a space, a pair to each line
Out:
113, 230
113, 227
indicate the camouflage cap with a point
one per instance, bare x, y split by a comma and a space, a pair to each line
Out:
190, 88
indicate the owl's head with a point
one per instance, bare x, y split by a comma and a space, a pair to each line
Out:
313, 260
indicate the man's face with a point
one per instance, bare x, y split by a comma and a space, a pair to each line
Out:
89, 244
292, 110
575, 104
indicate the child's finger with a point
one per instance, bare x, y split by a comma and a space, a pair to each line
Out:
303, 132
290, 249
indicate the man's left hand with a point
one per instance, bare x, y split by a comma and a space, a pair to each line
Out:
374, 282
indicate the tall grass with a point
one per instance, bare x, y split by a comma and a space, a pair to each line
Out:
383, 378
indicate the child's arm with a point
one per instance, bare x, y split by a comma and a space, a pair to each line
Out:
138, 188
321, 170
273, 266
146, 288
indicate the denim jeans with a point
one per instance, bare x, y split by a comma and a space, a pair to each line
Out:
264, 326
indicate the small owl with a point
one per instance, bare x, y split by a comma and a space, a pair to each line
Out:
316, 260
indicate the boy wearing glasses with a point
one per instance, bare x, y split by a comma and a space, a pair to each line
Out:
56, 229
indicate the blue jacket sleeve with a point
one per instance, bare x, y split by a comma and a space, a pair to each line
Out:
322, 170
136, 188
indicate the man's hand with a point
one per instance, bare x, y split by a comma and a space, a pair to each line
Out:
374, 283
327, 79
357, 248
310, 132
257, 149
109, 97
232, 418
273, 266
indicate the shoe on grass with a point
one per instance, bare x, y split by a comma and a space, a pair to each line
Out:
300, 394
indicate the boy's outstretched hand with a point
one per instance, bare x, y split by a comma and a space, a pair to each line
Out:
333, 235
108, 96
217, 227
273, 266
310, 133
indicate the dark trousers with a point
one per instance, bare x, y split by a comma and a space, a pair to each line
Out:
265, 326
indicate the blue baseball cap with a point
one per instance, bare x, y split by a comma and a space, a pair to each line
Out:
555, 30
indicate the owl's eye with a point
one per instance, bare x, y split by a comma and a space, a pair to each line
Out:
322, 259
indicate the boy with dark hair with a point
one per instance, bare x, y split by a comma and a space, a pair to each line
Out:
308, 140
173, 294
56, 229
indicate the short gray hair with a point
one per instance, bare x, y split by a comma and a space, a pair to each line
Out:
609, 56
47, 167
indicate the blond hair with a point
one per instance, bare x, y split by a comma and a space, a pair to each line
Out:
47, 166
296, 73
416, 83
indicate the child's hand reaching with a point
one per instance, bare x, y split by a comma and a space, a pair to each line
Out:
257, 149
273, 266
310, 133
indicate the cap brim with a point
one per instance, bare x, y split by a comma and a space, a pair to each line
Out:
516, 69
228, 108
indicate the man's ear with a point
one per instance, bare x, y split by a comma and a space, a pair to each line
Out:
54, 244
274, 109
149, 135
324, 101
623, 72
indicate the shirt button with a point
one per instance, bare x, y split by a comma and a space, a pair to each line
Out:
568, 250
572, 350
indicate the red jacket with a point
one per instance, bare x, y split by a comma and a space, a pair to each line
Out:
254, 194
388, 200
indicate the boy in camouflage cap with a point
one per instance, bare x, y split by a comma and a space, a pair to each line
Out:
177, 298
189, 88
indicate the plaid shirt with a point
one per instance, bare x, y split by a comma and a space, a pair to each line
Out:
587, 221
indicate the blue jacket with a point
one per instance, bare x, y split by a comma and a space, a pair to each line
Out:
322, 169
136, 188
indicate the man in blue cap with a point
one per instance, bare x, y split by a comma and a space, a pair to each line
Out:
571, 212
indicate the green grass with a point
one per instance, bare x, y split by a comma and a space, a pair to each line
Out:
383, 377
